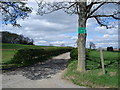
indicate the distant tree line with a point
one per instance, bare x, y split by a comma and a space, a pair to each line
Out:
109, 48
7, 37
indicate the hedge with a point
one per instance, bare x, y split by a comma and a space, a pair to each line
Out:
30, 56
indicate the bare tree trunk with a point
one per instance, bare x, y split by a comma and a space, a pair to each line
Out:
81, 38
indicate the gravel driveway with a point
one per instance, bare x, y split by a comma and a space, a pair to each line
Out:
42, 75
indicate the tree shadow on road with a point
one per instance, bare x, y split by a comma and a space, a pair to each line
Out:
42, 70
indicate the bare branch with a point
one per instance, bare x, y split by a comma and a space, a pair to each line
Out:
47, 7
77, 8
89, 7
95, 9
6, 10
71, 5
71, 9
104, 16
100, 23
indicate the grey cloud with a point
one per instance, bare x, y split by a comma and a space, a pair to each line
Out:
54, 28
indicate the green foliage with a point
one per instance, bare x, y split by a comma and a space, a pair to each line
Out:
57, 51
7, 55
92, 78
93, 58
29, 56
21, 46
74, 53
11, 50
110, 60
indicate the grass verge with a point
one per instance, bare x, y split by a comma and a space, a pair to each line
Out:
93, 76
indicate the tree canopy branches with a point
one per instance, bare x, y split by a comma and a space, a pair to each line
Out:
48, 7
11, 11
73, 8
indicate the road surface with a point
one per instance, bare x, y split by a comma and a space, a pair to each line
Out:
42, 75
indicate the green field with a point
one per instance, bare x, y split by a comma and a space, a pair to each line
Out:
93, 76
9, 50
110, 59
7, 55
19, 46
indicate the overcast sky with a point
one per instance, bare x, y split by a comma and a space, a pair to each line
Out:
60, 28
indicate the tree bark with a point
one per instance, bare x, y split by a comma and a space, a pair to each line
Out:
81, 38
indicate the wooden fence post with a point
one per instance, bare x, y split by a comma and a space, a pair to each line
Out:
102, 60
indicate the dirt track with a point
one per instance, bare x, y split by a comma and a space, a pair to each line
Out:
42, 75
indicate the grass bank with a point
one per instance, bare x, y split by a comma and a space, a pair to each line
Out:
93, 76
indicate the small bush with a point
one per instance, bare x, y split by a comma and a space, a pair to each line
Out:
109, 48
28, 56
74, 53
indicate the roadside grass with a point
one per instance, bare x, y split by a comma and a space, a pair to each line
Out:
93, 76
7, 54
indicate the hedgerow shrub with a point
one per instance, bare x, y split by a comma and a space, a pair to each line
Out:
57, 51
28, 56
31, 56
74, 53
